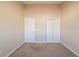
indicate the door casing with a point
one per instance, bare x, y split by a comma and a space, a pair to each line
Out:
51, 31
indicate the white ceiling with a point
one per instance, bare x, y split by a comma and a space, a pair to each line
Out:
41, 2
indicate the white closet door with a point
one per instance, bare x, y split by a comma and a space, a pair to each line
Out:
46, 31
53, 31
41, 31
29, 29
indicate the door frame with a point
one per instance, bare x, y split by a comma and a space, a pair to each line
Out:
25, 35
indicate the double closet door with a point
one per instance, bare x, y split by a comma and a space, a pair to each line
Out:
41, 31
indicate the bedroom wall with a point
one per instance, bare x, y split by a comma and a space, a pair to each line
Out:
70, 25
11, 26
41, 14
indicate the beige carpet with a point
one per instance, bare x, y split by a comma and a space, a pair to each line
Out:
42, 50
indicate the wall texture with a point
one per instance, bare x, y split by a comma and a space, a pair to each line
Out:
11, 26
70, 25
42, 13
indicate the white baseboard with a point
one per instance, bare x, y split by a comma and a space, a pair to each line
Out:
70, 49
44, 42
14, 49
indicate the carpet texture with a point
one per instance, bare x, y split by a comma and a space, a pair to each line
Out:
42, 50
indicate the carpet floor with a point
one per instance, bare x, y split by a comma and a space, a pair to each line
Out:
42, 50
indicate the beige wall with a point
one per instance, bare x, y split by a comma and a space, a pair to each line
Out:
41, 13
11, 26
70, 25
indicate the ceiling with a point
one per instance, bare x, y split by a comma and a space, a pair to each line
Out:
41, 2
